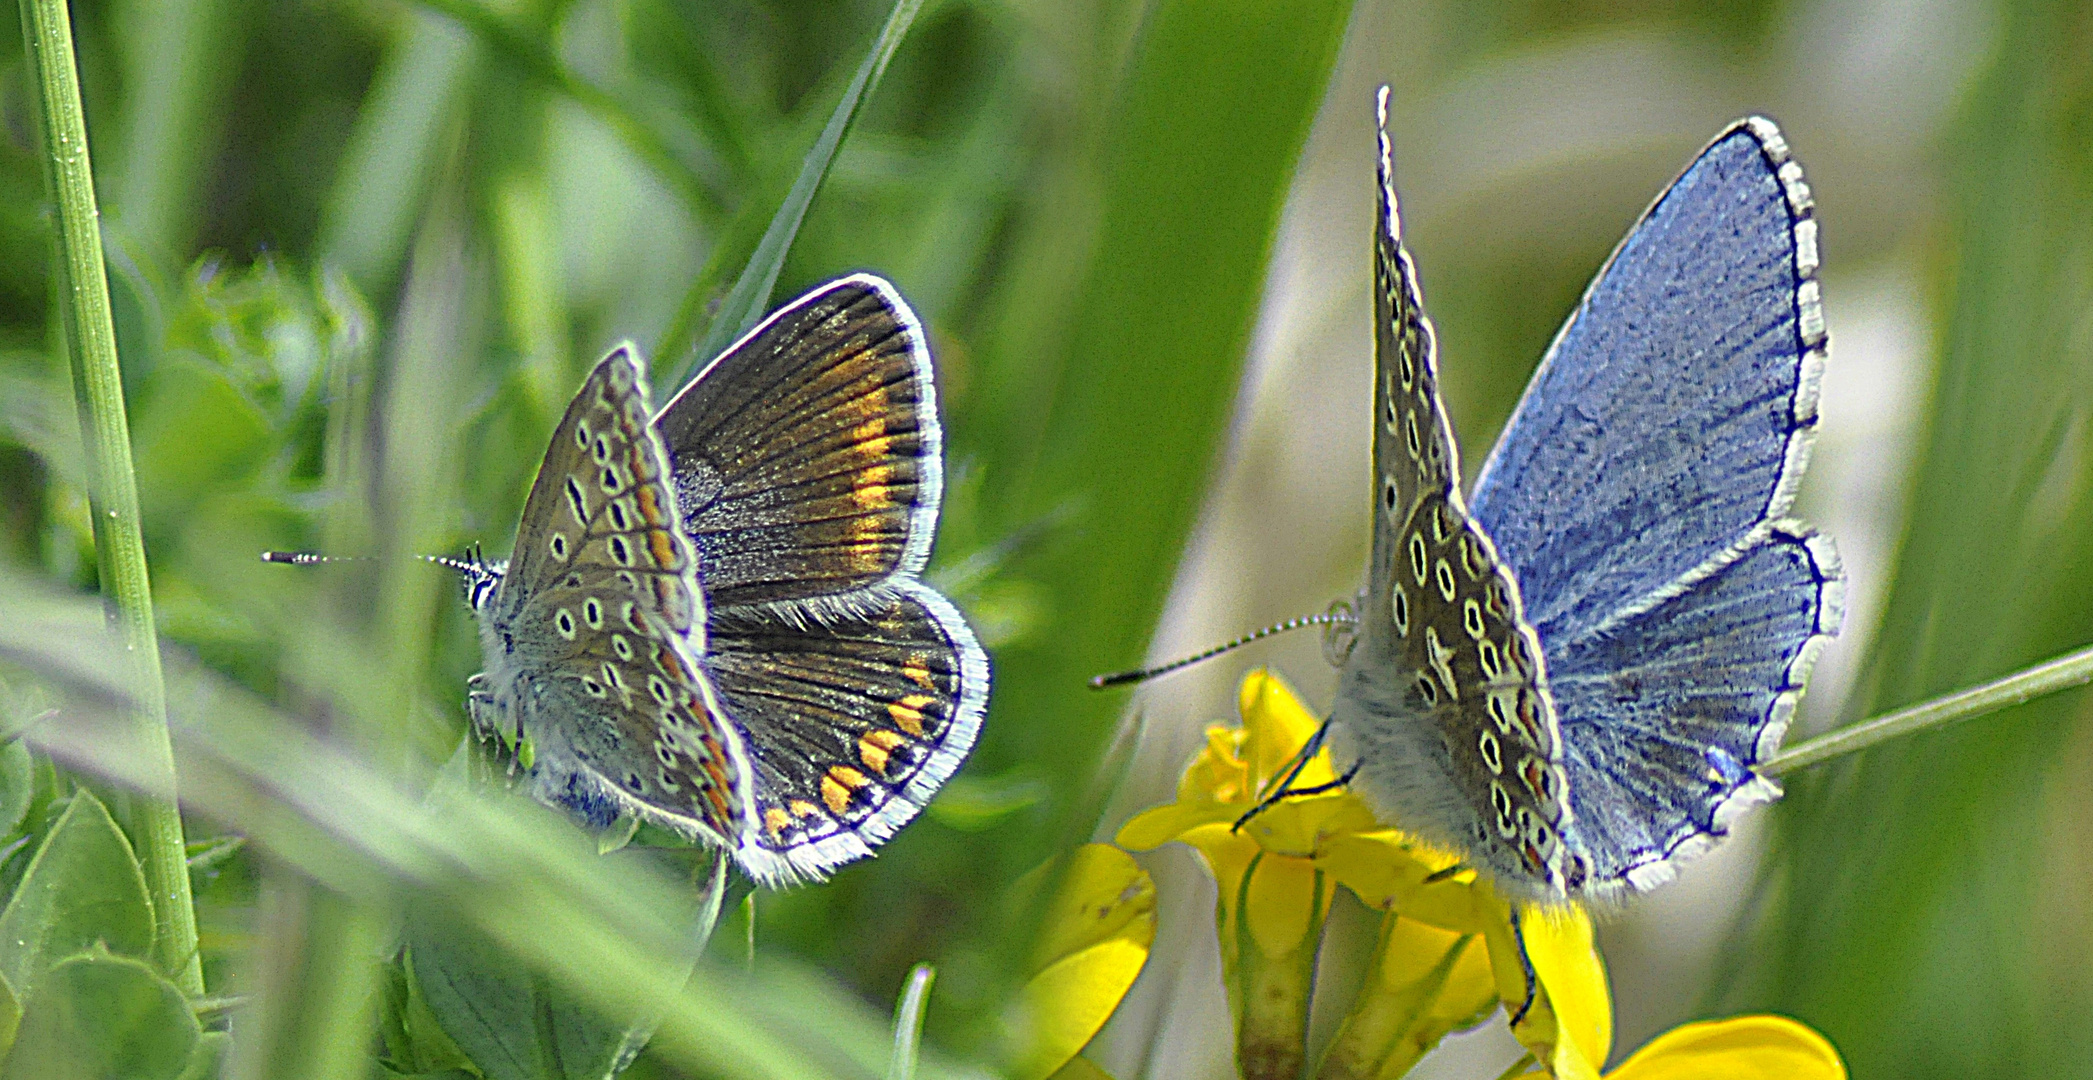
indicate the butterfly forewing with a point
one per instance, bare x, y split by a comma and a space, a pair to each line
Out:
598, 616
1447, 678
807, 455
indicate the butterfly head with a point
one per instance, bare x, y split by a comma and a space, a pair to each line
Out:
476, 575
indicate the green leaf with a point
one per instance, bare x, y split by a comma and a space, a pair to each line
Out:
97, 1016
1119, 426
207, 1059
750, 297
83, 887
17, 786
513, 1022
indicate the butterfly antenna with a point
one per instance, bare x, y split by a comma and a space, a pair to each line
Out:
1121, 678
308, 558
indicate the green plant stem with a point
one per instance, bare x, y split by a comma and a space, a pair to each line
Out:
2062, 673
112, 489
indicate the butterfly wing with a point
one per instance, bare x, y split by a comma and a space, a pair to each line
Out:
1443, 700
808, 455
853, 723
812, 456
1646, 475
594, 624
1660, 714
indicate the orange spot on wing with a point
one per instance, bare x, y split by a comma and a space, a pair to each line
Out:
650, 506
663, 547
908, 713
834, 794
873, 757
917, 670
776, 821
802, 808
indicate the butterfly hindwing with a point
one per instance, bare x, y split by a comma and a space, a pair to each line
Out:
808, 454
1663, 715
853, 723
1443, 700
590, 633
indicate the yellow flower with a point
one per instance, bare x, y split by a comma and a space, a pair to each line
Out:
1450, 952
1093, 942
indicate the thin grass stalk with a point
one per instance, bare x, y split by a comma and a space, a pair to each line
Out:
90, 334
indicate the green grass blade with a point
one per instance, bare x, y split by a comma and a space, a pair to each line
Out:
1120, 425
750, 297
908, 1022
113, 492
1916, 920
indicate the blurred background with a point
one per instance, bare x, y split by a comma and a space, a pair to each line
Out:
1138, 233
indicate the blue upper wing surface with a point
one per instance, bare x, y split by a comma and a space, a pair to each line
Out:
1668, 425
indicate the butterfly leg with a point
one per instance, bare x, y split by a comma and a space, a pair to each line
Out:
1525, 968
1280, 790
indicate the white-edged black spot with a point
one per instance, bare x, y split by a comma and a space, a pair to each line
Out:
620, 551
601, 451
1417, 554
1411, 440
1399, 606
592, 613
563, 620
610, 481
1472, 619
557, 544
577, 501
1493, 754
664, 753
618, 518
1388, 494
622, 647
613, 676
1427, 689
1498, 714
659, 687
582, 434
1444, 572
1407, 364
1486, 654
631, 612
590, 686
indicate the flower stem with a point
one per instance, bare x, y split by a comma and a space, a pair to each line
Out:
2062, 673
98, 394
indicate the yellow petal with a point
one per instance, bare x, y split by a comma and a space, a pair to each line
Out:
1092, 944
1285, 903
1569, 1023
1387, 871
1156, 826
1565, 960
1740, 1048
1276, 726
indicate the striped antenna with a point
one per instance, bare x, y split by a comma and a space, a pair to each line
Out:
1339, 617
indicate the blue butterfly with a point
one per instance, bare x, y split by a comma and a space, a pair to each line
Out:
1570, 674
